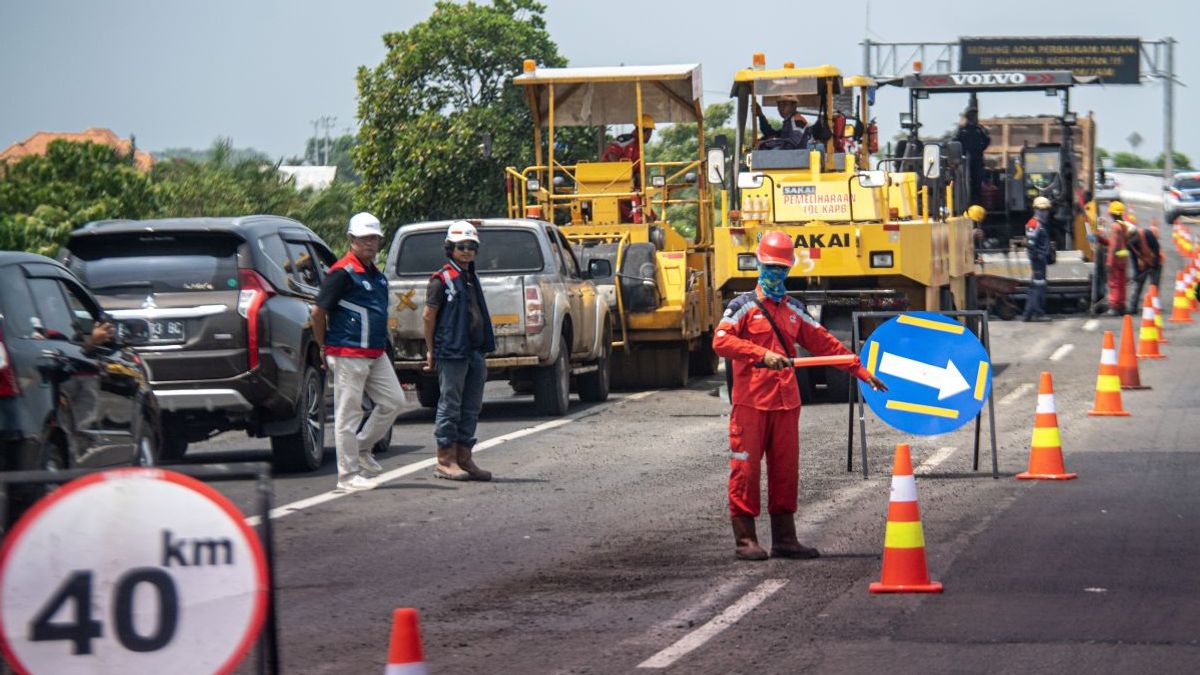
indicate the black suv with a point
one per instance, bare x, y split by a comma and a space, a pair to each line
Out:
63, 402
227, 301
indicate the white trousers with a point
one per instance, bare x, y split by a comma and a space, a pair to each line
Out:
352, 376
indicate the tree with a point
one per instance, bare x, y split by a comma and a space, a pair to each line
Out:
679, 143
425, 110
1128, 160
1182, 162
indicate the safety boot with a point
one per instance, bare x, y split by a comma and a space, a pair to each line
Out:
746, 539
783, 539
469, 465
447, 465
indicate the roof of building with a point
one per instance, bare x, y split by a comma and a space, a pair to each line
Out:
40, 141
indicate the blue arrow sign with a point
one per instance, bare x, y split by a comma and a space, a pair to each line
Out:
938, 374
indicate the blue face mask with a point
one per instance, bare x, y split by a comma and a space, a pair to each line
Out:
770, 280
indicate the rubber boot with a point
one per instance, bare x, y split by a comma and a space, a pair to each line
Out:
746, 539
447, 465
469, 465
783, 539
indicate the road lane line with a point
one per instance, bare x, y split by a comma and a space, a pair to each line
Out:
692, 614
1062, 352
409, 469
1091, 324
714, 627
1017, 393
935, 459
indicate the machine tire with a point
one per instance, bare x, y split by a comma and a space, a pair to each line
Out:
640, 262
552, 386
594, 386
673, 366
428, 392
304, 450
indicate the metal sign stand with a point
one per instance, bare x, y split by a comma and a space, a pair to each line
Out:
979, 326
267, 646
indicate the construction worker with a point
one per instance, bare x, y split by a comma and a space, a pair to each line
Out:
1147, 259
974, 139
626, 148
793, 132
1117, 260
759, 333
1038, 248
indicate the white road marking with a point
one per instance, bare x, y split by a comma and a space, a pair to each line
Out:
690, 615
714, 627
409, 469
935, 459
1062, 352
1091, 324
1017, 393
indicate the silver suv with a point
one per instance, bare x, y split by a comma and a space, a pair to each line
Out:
552, 328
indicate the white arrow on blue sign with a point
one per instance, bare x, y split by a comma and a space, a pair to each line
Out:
937, 372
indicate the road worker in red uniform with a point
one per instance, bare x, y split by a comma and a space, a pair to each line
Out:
766, 399
626, 148
1118, 259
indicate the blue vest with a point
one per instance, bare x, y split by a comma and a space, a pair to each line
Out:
358, 326
452, 337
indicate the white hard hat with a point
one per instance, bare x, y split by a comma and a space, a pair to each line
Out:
1041, 203
364, 225
461, 230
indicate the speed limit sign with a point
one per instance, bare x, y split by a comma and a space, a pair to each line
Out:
131, 571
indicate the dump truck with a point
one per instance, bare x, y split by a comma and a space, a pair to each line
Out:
651, 220
870, 233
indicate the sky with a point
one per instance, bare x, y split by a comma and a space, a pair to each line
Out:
181, 74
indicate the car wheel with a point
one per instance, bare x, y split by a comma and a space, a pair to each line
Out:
594, 386
552, 386
428, 392
304, 450
145, 447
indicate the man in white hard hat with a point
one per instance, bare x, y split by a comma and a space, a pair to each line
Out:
350, 324
458, 332
1041, 253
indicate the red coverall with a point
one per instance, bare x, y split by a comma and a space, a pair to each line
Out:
625, 147
1118, 265
766, 403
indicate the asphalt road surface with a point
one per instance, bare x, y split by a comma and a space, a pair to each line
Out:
603, 545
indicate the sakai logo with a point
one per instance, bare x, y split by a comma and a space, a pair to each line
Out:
819, 240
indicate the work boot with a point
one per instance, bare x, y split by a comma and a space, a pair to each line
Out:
783, 539
447, 465
746, 539
468, 464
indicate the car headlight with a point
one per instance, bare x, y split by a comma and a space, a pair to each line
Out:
747, 262
882, 259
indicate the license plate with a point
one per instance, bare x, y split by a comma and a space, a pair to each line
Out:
166, 331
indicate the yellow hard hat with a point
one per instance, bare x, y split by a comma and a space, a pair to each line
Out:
647, 122
1116, 208
976, 213
1131, 217
1041, 203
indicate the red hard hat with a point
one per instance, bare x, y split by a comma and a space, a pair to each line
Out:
775, 248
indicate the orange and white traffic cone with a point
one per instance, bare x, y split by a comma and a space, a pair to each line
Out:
1108, 382
1147, 346
1127, 362
1189, 286
1180, 307
1045, 454
904, 569
1158, 319
405, 656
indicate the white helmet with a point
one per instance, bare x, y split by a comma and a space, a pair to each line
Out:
1041, 203
364, 225
461, 230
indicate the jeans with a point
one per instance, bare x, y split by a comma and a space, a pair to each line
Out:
1154, 274
1035, 304
351, 377
461, 382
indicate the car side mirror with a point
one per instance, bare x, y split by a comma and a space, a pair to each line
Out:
599, 268
749, 180
716, 166
872, 179
932, 161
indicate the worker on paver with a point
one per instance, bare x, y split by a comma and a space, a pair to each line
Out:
349, 322
626, 148
1041, 252
793, 131
974, 138
759, 333
1117, 260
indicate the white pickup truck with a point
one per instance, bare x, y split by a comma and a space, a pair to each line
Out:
553, 332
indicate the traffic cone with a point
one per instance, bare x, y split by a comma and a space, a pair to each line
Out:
404, 651
1127, 362
1158, 320
1147, 346
904, 569
1180, 305
1108, 382
1045, 454
1189, 286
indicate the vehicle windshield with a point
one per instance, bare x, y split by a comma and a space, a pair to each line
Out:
1041, 162
1187, 182
500, 252
137, 263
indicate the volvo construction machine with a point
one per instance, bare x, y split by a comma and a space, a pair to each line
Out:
881, 236
651, 220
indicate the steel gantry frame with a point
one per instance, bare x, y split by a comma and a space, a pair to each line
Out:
884, 60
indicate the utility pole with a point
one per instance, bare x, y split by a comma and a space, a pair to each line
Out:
322, 146
1169, 113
